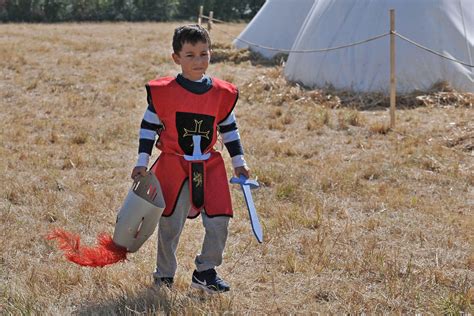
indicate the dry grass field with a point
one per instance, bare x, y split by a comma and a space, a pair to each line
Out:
357, 218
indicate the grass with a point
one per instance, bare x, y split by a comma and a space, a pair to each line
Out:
358, 217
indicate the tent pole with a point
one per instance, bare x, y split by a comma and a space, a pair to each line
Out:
201, 9
209, 21
393, 85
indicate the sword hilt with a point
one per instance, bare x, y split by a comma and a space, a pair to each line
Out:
197, 154
242, 180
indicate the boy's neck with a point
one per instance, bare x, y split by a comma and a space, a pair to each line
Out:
197, 87
193, 79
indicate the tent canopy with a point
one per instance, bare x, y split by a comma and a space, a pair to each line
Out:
276, 24
446, 26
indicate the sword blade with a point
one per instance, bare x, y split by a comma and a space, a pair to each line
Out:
257, 229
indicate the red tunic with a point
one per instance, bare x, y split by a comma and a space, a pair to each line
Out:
184, 114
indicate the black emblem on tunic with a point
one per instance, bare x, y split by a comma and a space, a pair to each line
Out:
189, 124
197, 184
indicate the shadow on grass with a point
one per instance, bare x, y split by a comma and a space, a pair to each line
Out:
149, 300
152, 301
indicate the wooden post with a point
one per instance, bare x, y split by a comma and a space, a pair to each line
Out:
393, 83
209, 21
201, 8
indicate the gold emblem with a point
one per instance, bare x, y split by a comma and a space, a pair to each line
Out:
197, 179
196, 131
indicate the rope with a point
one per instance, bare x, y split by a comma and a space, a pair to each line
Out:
213, 19
306, 50
432, 51
282, 50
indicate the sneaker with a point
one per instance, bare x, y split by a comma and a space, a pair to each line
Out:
168, 282
209, 282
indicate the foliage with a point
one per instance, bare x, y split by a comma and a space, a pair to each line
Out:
223, 9
123, 10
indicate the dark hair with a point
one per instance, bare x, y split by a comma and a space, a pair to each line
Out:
192, 33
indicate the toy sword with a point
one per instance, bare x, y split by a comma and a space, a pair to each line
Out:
246, 185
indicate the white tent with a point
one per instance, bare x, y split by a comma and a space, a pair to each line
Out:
276, 24
446, 26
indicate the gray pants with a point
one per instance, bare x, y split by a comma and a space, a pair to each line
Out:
170, 229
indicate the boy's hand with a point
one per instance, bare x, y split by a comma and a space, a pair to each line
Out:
138, 171
244, 170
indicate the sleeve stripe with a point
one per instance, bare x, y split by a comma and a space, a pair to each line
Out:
229, 120
234, 148
145, 146
143, 160
147, 134
230, 136
238, 161
148, 129
150, 126
227, 128
151, 108
151, 117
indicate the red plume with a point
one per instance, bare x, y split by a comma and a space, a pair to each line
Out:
106, 252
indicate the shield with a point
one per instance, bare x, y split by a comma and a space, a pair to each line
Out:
140, 213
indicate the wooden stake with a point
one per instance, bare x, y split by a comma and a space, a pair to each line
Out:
393, 83
209, 21
201, 9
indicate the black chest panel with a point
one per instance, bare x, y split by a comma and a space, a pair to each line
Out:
189, 124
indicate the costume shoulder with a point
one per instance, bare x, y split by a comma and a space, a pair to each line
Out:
161, 82
157, 84
228, 98
224, 85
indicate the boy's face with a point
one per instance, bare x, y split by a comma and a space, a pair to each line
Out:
193, 59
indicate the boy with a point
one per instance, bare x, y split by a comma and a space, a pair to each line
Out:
186, 112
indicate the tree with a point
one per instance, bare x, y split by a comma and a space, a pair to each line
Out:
52, 9
129, 10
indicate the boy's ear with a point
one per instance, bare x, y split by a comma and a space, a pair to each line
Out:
176, 58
